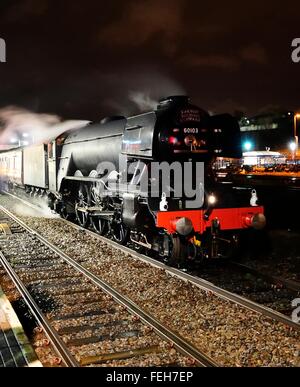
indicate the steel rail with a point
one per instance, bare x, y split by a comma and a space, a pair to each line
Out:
289, 284
182, 345
197, 281
52, 335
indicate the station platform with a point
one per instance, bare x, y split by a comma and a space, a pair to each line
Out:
15, 349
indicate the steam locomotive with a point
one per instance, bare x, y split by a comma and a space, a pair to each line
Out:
127, 177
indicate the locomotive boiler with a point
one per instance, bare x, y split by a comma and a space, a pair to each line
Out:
128, 177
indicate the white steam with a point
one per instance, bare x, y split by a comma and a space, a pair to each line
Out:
136, 90
18, 124
150, 87
43, 211
142, 100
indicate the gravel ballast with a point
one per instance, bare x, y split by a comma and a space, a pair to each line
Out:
228, 333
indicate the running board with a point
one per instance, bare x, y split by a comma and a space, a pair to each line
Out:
95, 211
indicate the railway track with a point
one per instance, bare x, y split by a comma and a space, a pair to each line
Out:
276, 280
194, 277
81, 314
199, 282
204, 285
265, 289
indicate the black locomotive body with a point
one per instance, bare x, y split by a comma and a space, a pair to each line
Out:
111, 176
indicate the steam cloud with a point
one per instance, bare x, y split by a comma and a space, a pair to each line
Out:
141, 89
15, 122
151, 88
130, 91
142, 100
44, 211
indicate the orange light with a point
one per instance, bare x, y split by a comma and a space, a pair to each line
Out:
297, 115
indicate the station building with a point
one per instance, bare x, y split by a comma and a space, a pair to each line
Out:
273, 132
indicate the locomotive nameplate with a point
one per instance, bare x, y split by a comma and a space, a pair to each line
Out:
189, 115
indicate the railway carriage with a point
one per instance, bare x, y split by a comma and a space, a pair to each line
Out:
110, 176
11, 168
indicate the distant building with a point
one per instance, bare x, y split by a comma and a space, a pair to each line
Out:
273, 132
264, 158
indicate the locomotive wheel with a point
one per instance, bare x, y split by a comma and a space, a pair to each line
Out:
178, 251
65, 214
119, 231
81, 203
99, 224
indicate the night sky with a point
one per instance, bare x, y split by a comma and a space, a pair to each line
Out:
88, 59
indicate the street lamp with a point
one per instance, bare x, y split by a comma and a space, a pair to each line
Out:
293, 148
297, 115
247, 146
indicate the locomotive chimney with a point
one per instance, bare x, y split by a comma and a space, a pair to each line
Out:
173, 100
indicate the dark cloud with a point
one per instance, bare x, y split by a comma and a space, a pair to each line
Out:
140, 22
224, 62
21, 10
228, 106
82, 59
254, 53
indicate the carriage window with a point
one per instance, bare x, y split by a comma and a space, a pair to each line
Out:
50, 150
